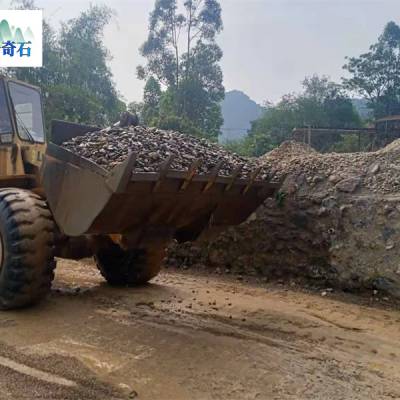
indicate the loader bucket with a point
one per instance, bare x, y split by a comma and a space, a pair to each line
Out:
86, 199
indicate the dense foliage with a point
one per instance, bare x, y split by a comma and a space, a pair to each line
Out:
184, 79
75, 79
321, 104
184, 88
375, 75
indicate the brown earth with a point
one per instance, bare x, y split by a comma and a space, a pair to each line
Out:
188, 336
335, 221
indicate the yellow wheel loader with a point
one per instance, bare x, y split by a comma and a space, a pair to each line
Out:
54, 203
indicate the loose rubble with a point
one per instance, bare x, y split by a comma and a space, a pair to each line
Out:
109, 147
336, 221
375, 172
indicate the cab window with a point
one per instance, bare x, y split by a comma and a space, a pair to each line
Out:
28, 112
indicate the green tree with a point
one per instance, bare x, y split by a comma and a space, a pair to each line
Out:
326, 104
375, 75
85, 61
75, 79
183, 57
49, 74
151, 101
321, 104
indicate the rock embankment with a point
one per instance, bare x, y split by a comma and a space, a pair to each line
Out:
336, 220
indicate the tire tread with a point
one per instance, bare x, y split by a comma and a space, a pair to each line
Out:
28, 244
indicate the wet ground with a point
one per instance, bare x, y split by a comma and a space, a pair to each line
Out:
189, 336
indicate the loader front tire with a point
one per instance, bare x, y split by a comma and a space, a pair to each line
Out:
128, 267
26, 248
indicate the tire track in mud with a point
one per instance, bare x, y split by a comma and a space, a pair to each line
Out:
212, 323
186, 336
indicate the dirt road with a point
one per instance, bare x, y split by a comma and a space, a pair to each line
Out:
196, 337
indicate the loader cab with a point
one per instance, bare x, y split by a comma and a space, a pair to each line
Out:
21, 113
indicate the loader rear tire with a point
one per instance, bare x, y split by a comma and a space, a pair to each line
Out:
26, 248
128, 267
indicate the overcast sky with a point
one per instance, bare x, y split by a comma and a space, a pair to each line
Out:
269, 45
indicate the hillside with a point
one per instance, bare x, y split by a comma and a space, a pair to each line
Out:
238, 110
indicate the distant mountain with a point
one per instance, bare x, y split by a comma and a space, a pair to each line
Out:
361, 105
238, 111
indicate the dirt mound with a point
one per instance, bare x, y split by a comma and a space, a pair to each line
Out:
109, 147
336, 220
392, 148
375, 172
287, 149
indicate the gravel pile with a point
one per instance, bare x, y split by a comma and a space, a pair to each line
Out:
336, 222
376, 172
109, 147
